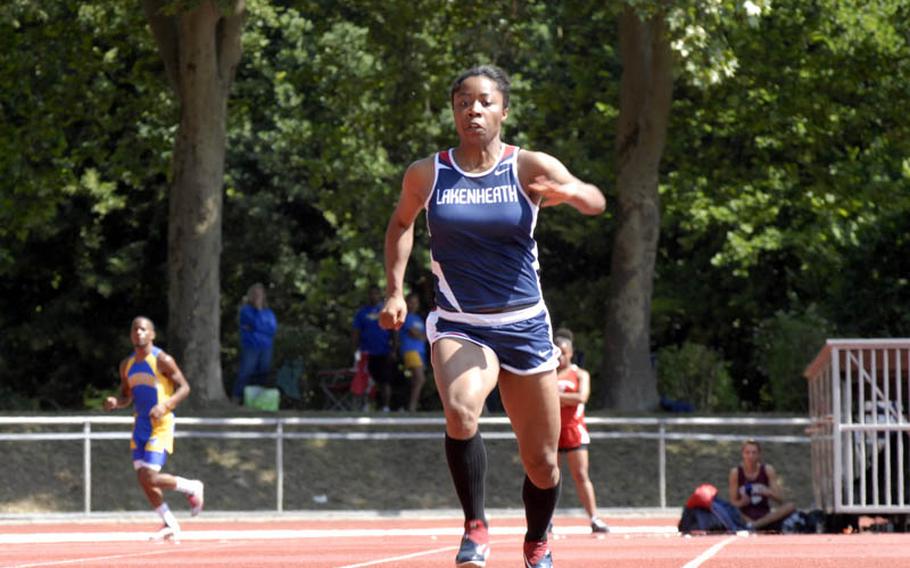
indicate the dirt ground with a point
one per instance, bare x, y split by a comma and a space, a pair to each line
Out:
333, 474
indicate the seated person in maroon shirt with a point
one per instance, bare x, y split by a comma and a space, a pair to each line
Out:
753, 487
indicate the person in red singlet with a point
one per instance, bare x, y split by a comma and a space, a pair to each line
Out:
574, 388
753, 486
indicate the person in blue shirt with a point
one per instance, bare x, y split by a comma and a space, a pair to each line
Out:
413, 340
257, 333
375, 343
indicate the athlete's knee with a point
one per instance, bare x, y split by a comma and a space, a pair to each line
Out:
462, 417
542, 469
461, 423
544, 478
146, 476
580, 476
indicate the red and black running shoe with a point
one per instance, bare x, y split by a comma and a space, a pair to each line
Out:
537, 555
475, 545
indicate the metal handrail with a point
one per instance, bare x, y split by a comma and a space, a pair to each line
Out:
860, 425
280, 434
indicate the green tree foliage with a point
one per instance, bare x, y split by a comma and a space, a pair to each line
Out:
698, 375
327, 115
783, 176
84, 152
785, 343
871, 294
784, 183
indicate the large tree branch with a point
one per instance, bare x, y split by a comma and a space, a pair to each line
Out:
165, 32
646, 87
229, 43
661, 78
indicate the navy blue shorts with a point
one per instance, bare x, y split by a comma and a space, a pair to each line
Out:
521, 340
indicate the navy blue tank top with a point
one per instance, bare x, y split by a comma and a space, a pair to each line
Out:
481, 226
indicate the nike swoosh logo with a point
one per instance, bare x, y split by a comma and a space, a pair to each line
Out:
502, 169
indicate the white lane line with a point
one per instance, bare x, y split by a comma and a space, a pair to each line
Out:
708, 554
402, 557
169, 550
247, 535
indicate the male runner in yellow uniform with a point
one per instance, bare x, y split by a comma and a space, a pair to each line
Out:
152, 382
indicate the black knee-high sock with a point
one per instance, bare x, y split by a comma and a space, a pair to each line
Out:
468, 465
539, 507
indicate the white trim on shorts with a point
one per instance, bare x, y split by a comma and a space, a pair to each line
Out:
472, 319
489, 320
546, 366
139, 464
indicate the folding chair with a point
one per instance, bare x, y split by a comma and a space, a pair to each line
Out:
336, 386
288, 379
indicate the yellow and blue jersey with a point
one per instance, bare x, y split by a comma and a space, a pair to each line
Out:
149, 387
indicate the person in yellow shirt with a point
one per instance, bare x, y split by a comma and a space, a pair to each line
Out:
154, 385
413, 345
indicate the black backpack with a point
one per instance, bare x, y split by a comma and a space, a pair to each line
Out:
722, 517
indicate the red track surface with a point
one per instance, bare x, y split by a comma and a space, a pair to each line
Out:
416, 543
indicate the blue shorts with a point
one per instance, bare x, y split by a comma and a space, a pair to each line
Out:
148, 458
151, 444
522, 340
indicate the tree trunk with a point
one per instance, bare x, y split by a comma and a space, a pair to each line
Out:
200, 49
645, 95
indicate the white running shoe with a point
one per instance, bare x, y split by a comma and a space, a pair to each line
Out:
197, 499
166, 533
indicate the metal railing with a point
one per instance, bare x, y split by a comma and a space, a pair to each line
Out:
280, 434
860, 427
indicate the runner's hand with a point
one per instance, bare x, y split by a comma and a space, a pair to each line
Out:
158, 411
551, 192
393, 313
